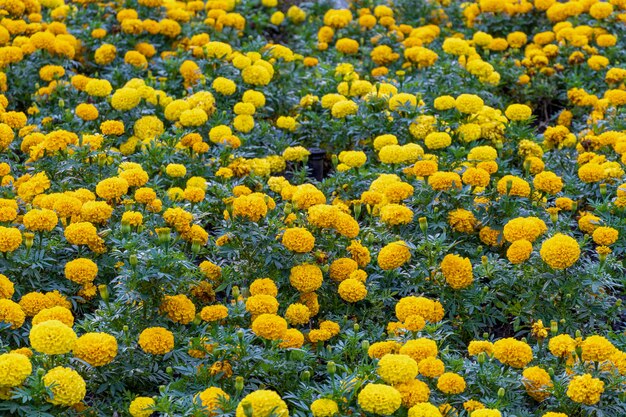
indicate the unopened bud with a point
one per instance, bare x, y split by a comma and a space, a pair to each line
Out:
28, 239
104, 292
195, 246
132, 259
356, 327
482, 357
365, 345
579, 333
331, 367
239, 383
125, 328
603, 189
247, 408
551, 371
554, 327
501, 392
41, 371
235, 292
305, 376
423, 224
169, 370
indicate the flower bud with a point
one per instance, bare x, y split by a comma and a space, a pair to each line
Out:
365, 345
482, 357
164, 234
104, 292
247, 408
509, 186
195, 246
125, 328
41, 371
501, 392
169, 370
357, 210
579, 333
132, 259
235, 292
551, 372
356, 327
239, 383
331, 367
602, 189
305, 376
554, 327
28, 239
423, 224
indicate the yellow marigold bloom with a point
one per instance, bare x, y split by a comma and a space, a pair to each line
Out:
263, 404
519, 251
485, 412
437, 140
264, 286
306, 278
585, 389
359, 253
87, 111
52, 337
469, 103
7, 288
156, 340
40, 220
81, 271
59, 313
379, 399
431, 367
560, 251
14, 369
347, 46
411, 306
10, 239
518, 112
597, 349
67, 386
562, 345
476, 347
341, 269
527, 228
298, 239
97, 349
324, 407
179, 308
457, 271
512, 352
476, 177
211, 399
344, 108
413, 392
393, 255
261, 304
396, 214
451, 383
214, 313
419, 349
141, 406
396, 369
605, 235
353, 159
425, 409
352, 290
252, 206
269, 326
548, 182
297, 314
513, 186
12, 313
537, 382
224, 86
441, 181
462, 221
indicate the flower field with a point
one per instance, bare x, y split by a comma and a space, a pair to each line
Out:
264, 208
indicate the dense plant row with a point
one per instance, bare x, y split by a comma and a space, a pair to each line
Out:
263, 209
